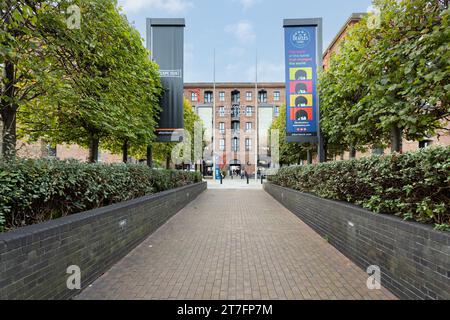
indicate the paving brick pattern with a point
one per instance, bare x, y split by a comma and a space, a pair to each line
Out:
234, 244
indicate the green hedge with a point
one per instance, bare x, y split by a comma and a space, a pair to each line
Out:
32, 191
414, 186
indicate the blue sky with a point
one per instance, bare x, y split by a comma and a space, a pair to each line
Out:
237, 29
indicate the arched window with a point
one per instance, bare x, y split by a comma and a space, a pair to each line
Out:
262, 96
235, 96
208, 96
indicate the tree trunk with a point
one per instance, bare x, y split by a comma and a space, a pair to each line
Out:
93, 148
396, 140
309, 156
352, 153
8, 112
125, 151
168, 161
149, 156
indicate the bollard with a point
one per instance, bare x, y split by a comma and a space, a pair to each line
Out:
247, 180
221, 179
262, 179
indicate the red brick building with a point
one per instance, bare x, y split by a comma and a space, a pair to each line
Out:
241, 120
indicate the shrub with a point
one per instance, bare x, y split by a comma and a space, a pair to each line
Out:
414, 185
32, 191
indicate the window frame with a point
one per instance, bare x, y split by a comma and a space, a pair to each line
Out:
248, 144
276, 96
222, 144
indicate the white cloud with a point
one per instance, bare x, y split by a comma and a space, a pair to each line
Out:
171, 6
242, 30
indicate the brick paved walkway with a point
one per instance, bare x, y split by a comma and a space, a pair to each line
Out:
234, 244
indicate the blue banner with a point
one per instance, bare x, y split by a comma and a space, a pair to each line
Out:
301, 82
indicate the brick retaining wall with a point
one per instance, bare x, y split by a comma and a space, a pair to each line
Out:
414, 259
34, 259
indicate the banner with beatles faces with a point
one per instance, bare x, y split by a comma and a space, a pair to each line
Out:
301, 83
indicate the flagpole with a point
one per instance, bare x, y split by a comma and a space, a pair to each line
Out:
214, 116
256, 117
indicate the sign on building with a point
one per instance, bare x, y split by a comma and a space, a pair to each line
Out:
165, 40
303, 54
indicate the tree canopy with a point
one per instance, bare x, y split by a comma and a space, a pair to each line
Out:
100, 86
389, 77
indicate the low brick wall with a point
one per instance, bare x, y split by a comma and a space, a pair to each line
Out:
414, 259
34, 259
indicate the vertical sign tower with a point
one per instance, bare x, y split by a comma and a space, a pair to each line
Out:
303, 52
165, 40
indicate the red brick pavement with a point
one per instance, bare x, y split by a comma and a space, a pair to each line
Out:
234, 244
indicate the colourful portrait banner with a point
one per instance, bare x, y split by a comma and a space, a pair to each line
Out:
301, 82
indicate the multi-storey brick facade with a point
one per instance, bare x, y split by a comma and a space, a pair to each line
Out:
237, 136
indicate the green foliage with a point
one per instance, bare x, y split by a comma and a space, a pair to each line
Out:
162, 152
32, 191
394, 75
413, 185
290, 153
78, 85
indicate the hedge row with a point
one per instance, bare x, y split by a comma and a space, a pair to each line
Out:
414, 186
32, 191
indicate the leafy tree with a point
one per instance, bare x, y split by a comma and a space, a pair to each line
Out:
391, 80
162, 152
109, 90
26, 66
290, 153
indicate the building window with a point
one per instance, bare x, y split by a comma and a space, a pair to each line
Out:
248, 127
248, 111
222, 96
235, 96
222, 144
248, 144
235, 111
194, 96
208, 97
277, 111
262, 96
425, 144
222, 111
235, 144
276, 96
248, 96
235, 127
222, 127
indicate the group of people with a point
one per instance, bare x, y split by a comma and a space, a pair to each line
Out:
238, 173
